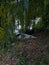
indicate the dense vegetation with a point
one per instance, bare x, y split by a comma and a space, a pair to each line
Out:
25, 11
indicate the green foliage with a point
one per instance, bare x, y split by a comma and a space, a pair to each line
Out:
2, 33
22, 62
35, 8
7, 20
41, 63
23, 59
9, 11
39, 25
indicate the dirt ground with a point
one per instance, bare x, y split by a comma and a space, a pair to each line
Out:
27, 52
